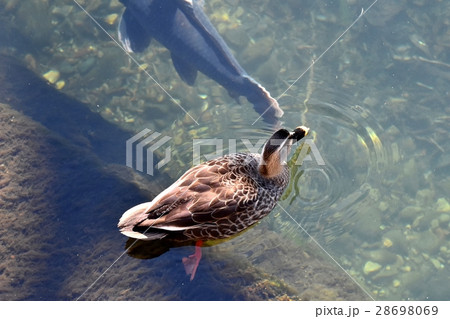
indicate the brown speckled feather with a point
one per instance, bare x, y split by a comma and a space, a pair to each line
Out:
214, 200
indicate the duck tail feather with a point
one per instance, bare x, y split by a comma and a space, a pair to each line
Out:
130, 220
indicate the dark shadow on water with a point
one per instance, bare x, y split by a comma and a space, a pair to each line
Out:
151, 249
64, 115
62, 191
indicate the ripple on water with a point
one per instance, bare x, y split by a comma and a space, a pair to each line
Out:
344, 163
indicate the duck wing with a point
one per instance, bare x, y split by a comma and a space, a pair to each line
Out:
201, 197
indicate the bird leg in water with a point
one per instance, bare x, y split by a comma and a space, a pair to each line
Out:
191, 263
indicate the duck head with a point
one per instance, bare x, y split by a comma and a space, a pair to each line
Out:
276, 150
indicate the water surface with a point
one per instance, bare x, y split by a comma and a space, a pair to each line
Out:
367, 215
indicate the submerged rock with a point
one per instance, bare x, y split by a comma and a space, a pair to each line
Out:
257, 52
382, 256
442, 205
384, 11
35, 22
371, 267
368, 223
54, 199
409, 213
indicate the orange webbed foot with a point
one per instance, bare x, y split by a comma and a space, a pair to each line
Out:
191, 263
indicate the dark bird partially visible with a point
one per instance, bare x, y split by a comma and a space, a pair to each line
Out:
195, 45
216, 199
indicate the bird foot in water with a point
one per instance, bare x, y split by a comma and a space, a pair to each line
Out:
191, 262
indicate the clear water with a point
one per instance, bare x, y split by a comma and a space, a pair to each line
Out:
368, 214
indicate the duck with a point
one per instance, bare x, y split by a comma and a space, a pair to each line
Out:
216, 199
